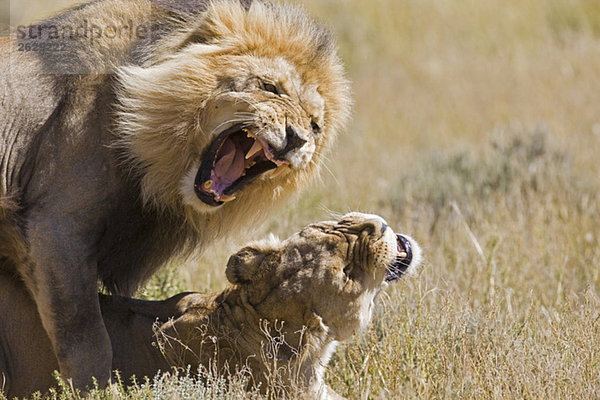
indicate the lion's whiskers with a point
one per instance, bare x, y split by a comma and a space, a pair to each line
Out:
232, 121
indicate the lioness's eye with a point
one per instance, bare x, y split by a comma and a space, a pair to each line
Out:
348, 269
270, 88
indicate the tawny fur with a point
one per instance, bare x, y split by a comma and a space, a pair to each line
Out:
98, 142
289, 304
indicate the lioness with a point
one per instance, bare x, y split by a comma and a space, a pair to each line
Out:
318, 286
132, 131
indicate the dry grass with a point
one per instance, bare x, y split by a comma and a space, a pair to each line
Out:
507, 305
476, 130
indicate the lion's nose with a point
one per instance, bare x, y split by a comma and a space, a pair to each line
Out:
292, 141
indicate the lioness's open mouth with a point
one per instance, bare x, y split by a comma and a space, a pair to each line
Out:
233, 160
402, 261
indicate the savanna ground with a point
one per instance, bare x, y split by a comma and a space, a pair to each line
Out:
477, 131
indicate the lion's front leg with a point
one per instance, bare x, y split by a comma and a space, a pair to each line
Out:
62, 278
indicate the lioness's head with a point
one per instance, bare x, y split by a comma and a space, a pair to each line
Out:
330, 270
234, 109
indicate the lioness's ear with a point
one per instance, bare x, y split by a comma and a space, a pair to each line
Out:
253, 262
243, 265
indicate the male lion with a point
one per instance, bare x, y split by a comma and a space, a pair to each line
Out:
136, 130
318, 287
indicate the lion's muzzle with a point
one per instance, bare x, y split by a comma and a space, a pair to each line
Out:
235, 158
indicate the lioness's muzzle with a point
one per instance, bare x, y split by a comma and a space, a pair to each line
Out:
403, 259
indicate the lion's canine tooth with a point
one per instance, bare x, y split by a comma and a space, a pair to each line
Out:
278, 171
403, 254
226, 198
208, 184
256, 147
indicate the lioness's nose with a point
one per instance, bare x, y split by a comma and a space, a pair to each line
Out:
373, 226
292, 140
370, 222
384, 226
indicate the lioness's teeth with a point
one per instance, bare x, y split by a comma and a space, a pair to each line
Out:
403, 254
208, 184
226, 198
278, 171
256, 147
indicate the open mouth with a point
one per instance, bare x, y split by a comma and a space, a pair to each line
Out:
402, 261
233, 160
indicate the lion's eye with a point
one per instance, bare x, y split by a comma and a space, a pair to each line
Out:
315, 127
270, 88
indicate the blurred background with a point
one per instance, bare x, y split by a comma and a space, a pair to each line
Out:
476, 129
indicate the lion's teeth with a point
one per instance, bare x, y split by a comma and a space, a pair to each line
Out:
226, 198
256, 147
278, 171
402, 254
208, 184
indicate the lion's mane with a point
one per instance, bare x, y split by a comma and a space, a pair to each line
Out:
123, 150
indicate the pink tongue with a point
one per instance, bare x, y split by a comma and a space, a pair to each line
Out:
230, 165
